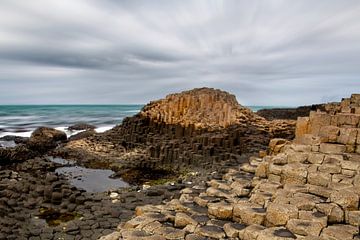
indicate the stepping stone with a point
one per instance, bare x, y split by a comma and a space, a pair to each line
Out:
211, 231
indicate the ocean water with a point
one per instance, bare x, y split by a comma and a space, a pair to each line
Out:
21, 120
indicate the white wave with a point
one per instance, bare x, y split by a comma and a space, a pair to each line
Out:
19, 134
104, 128
132, 111
68, 132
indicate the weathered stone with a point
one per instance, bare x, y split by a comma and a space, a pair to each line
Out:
261, 170
112, 236
220, 210
346, 199
316, 158
297, 157
170, 233
275, 233
280, 159
151, 227
304, 227
318, 120
182, 219
334, 213
232, 230
329, 133
319, 178
137, 221
279, 214
251, 232
302, 126
294, 173
346, 119
276, 144
353, 217
314, 217
304, 201
332, 148
339, 232
249, 213
211, 231
347, 136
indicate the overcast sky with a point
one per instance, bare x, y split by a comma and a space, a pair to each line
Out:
107, 51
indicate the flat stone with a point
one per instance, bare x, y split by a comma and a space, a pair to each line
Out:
353, 218
304, 227
314, 217
334, 213
249, 213
251, 232
112, 236
339, 232
182, 219
275, 233
220, 210
332, 148
279, 214
170, 233
211, 231
346, 199
232, 230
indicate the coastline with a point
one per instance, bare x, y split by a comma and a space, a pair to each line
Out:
203, 172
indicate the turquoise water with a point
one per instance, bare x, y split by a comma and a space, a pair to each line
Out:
21, 120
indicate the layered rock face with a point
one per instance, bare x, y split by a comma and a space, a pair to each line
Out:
201, 108
305, 189
201, 128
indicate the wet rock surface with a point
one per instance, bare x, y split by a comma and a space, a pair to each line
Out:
37, 203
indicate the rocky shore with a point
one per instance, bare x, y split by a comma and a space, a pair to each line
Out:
201, 166
308, 188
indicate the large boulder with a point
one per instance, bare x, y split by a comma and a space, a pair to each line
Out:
44, 138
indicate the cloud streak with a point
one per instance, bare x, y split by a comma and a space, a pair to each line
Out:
269, 52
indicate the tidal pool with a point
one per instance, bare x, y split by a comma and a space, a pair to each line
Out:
91, 180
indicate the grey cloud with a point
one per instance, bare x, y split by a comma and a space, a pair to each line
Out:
266, 52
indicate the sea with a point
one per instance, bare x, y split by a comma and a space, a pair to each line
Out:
22, 120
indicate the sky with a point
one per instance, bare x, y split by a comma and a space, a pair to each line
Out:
270, 52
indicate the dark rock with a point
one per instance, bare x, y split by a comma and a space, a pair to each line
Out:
44, 139
15, 154
81, 126
289, 113
15, 139
82, 135
56, 197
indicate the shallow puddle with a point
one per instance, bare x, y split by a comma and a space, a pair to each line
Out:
91, 180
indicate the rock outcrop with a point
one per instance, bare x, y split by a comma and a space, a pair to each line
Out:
199, 128
289, 113
202, 108
44, 139
305, 189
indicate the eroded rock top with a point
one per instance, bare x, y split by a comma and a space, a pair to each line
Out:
201, 107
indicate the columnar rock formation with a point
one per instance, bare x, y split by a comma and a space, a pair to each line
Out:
200, 128
202, 108
305, 189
